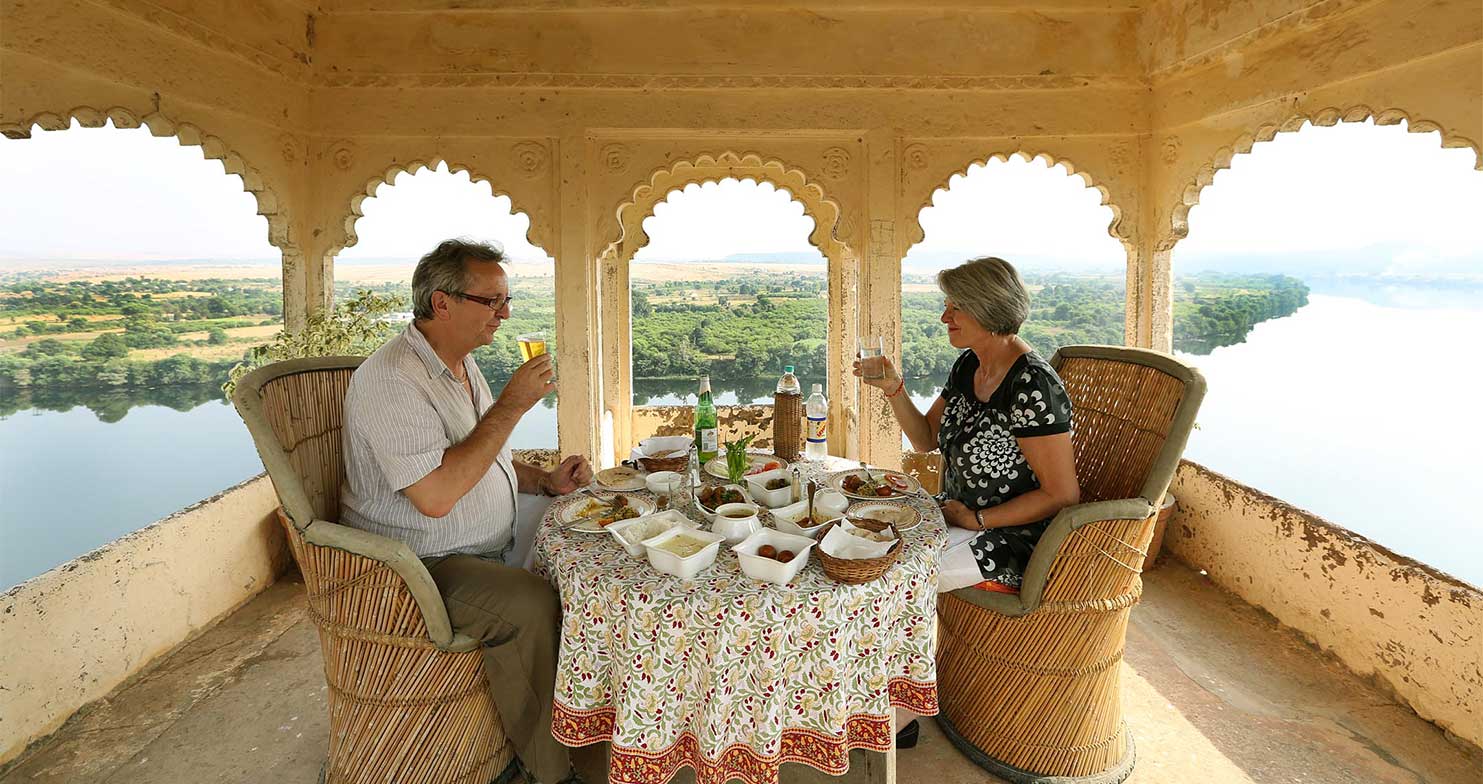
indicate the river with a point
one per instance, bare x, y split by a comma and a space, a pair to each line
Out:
1352, 409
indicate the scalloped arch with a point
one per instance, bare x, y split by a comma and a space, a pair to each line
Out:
1189, 196
915, 233
213, 147
641, 202
533, 234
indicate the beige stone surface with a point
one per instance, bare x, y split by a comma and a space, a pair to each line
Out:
1416, 631
1214, 692
72, 635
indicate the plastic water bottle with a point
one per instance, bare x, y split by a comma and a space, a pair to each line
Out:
788, 384
817, 411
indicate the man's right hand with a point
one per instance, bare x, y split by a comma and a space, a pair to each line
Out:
529, 383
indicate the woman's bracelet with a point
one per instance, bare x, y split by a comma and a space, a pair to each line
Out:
898, 389
978, 517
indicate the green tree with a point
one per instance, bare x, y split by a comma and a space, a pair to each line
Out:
216, 336
352, 327
109, 345
641, 306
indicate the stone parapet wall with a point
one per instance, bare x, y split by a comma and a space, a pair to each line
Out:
1414, 630
73, 634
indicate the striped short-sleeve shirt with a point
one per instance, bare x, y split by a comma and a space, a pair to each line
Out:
403, 409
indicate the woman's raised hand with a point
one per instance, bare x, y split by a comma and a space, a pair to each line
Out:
889, 381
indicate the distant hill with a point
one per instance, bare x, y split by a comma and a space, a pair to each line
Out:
785, 257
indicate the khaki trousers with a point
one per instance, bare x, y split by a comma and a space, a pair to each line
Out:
517, 617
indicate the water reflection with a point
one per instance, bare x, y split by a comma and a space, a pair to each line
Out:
109, 404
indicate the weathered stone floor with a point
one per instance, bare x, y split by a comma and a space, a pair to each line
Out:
1215, 691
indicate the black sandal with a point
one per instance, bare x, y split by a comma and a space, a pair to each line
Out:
906, 737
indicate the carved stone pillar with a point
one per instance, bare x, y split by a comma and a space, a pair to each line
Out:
880, 297
579, 382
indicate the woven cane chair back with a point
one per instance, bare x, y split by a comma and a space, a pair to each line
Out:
305, 411
1123, 413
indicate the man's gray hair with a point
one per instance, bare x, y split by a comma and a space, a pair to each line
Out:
990, 290
445, 269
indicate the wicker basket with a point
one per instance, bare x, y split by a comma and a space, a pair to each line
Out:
854, 571
652, 464
787, 425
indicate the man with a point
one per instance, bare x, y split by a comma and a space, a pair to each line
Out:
427, 461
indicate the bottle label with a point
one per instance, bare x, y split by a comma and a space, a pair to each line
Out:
707, 439
816, 429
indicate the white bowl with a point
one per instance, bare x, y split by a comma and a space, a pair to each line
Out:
770, 498
688, 566
631, 533
735, 529
710, 515
829, 504
791, 519
767, 569
663, 483
791, 513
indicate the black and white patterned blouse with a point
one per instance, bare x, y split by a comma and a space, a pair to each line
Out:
982, 462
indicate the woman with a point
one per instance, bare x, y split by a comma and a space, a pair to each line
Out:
1003, 423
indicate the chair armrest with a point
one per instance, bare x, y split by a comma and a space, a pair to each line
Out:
400, 559
1065, 522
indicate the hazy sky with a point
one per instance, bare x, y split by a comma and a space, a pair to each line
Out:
124, 194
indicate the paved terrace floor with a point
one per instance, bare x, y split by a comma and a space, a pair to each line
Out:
1215, 691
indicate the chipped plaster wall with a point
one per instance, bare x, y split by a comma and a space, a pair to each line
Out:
733, 422
74, 633
1415, 630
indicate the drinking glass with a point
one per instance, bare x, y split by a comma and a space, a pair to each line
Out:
532, 345
872, 357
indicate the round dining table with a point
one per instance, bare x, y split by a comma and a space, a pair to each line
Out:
732, 676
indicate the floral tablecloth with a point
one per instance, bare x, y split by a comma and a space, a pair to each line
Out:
732, 676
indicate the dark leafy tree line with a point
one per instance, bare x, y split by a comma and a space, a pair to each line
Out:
738, 328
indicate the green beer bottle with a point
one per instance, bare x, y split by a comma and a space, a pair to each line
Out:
707, 444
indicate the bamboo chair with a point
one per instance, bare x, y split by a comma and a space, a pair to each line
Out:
1030, 684
409, 701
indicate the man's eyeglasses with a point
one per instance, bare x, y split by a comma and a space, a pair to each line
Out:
495, 304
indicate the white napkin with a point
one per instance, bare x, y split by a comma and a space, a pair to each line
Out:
840, 543
661, 445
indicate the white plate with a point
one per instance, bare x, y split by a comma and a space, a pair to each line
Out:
905, 517
716, 466
913, 487
578, 508
622, 479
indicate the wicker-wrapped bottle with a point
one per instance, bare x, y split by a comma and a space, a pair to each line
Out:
787, 416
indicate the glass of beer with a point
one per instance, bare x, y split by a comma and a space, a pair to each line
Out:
872, 357
532, 345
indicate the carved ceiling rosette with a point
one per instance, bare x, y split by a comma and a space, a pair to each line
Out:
530, 158
342, 154
836, 163
615, 157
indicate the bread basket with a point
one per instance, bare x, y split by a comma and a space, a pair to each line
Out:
653, 464
854, 571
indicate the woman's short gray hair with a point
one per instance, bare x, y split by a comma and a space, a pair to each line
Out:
990, 290
445, 269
